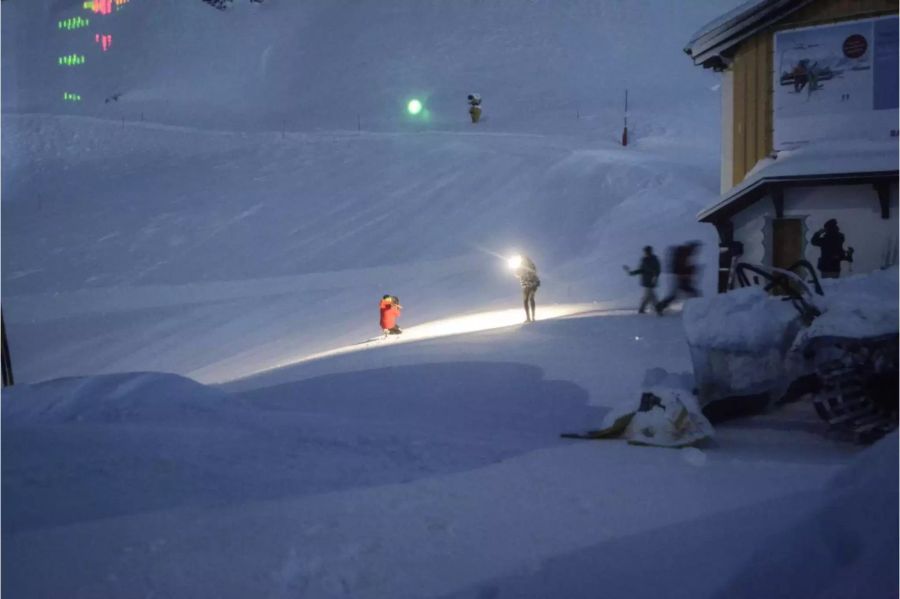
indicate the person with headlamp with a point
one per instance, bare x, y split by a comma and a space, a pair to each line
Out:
526, 271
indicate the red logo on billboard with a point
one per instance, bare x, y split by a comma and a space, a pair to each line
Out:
855, 46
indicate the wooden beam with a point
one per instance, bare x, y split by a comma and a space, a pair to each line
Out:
884, 198
777, 193
5, 358
725, 229
727, 253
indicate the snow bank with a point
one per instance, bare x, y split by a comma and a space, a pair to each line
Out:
847, 547
130, 397
858, 306
744, 342
742, 320
738, 342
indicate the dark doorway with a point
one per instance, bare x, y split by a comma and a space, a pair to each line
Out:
787, 241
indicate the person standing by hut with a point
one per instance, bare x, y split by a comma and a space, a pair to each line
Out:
831, 241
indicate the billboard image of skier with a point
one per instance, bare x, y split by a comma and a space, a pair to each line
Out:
835, 82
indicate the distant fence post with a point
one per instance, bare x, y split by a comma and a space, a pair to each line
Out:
7, 362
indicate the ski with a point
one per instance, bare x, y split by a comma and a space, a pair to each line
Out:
611, 431
371, 340
587, 435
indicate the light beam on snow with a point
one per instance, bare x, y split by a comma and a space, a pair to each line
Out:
469, 323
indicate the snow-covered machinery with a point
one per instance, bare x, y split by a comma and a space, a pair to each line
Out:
777, 336
855, 383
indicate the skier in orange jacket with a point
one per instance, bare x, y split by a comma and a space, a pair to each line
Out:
390, 310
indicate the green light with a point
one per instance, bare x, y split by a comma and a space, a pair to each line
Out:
414, 107
71, 59
73, 23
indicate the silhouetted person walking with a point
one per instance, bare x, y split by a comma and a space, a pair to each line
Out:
684, 271
649, 271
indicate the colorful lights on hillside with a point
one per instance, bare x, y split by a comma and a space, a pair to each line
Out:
105, 41
73, 23
71, 60
103, 7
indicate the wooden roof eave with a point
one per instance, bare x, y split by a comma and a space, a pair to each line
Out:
715, 48
742, 198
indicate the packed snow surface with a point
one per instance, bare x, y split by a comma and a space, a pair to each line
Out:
425, 469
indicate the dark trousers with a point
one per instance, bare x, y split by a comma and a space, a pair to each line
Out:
528, 298
683, 285
649, 299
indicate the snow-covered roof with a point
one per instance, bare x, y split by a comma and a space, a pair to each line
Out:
822, 163
710, 46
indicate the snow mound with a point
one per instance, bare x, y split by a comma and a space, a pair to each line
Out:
847, 547
738, 342
858, 306
117, 398
745, 319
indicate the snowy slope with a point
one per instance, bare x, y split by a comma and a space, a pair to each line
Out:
290, 249
245, 219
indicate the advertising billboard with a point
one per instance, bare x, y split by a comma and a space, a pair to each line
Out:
836, 82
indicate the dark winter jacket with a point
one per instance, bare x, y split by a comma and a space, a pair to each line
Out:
649, 271
832, 244
680, 260
527, 274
